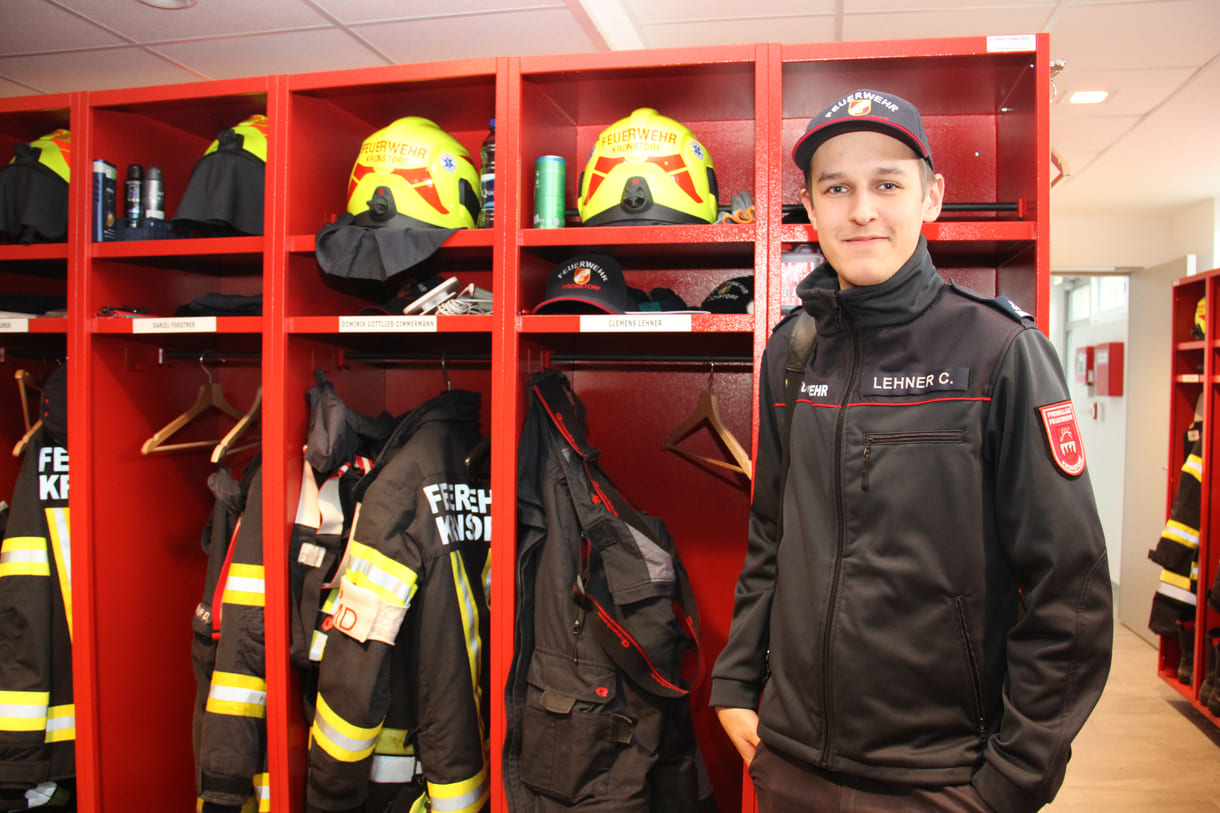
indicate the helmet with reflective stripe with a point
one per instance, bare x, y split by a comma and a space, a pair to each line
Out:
52, 151
414, 174
250, 135
648, 168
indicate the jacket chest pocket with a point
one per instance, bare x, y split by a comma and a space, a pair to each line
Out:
873, 441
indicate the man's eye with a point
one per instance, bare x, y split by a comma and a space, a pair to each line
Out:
836, 189
888, 186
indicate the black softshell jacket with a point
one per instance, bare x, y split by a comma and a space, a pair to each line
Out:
927, 493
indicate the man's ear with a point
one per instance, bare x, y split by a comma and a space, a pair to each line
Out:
934, 198
807, 202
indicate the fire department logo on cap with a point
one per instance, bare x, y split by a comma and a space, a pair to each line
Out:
860, 107
581, 276
1063, 436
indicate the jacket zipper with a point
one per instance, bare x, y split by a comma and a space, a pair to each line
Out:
890, 438
840, 542
972, 663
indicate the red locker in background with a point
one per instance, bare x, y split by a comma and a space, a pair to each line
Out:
1108, 367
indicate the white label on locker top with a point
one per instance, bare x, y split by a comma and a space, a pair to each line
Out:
171, 324
1011, 42
636, 323
387, 324
14, 325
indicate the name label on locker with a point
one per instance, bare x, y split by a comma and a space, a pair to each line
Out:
387, 324
636, 323
14, 325
1002, 44
190, 324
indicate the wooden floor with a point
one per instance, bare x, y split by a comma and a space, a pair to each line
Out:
1144, 748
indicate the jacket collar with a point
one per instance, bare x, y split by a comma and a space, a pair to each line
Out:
897, 300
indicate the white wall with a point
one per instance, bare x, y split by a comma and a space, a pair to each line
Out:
1104, 434
1159, 245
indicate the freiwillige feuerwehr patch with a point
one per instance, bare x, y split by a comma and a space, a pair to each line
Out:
1063, 435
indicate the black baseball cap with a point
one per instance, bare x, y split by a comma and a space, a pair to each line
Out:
864, 110
587, 283
734, 295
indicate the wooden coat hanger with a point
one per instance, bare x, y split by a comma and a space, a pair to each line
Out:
250, 419
25, 379
210, 397
707, 409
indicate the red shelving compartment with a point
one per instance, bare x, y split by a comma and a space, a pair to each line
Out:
330, 115
1194, 390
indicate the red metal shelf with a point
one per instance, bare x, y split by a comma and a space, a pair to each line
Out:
178, 248
36, 251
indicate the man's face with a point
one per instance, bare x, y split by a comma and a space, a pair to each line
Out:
867, 202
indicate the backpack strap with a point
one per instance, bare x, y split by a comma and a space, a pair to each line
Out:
800, 350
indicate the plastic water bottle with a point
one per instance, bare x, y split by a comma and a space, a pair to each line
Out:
487, 178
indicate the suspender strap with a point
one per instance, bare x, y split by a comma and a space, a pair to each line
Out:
800, 350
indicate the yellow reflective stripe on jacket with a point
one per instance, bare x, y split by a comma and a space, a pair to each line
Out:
1181, 533
237, 695
467, 796
61, 723
392, 770
339, 738
262, 791
1194, 467
60, 527
487, 578
392, 582
470, 629
394, 741
24, 711
244, 586
317, 645
24, 556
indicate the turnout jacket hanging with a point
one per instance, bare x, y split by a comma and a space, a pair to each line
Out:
37, 714
403, 675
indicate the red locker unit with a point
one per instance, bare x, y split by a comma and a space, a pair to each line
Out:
138, 564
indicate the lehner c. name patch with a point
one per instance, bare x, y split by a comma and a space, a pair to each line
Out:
918, 382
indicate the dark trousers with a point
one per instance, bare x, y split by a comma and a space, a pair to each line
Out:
784, 785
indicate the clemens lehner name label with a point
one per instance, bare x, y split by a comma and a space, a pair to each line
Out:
636, 323
169, 324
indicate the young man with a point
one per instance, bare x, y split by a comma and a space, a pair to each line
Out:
923, 619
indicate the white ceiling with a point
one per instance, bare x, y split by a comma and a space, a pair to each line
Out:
1152, 148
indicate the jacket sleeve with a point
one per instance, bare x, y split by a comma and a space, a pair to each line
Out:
741, 668
233, 738
377, 580
1058, 653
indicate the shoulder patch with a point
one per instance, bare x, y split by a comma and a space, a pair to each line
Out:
1001, 303
1063, 437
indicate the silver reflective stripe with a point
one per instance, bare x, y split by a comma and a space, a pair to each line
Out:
330, 507
11, 556
63, 535
1177, 593
24, 711
392, 769
343, 741
244, 584
235, 694
61, 723
459, 802
317, 645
